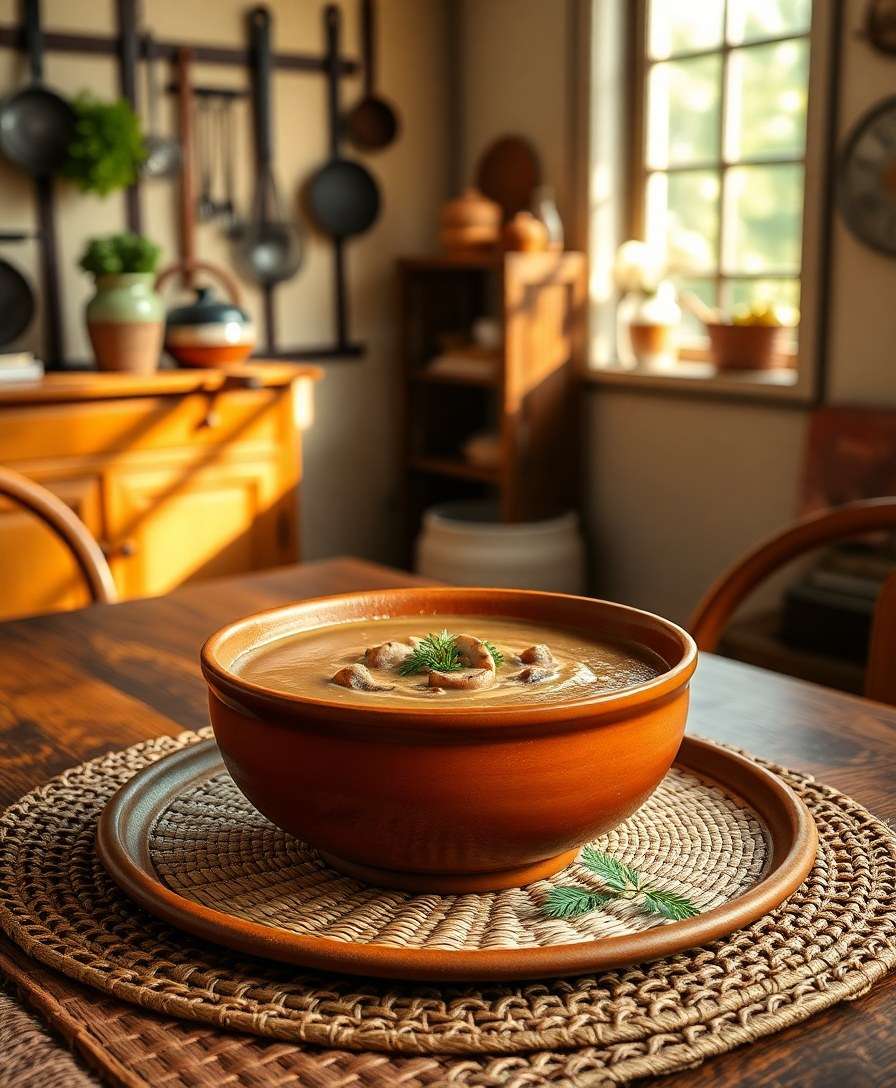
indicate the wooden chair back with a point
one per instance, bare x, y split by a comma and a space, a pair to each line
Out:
711, 615
67, 526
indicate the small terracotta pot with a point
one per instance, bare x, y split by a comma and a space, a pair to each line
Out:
526, 234
746, 347
651, 341
449, 798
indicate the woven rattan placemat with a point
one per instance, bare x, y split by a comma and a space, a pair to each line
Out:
829, 942
210, 845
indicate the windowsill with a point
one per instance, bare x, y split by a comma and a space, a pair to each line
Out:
703, 379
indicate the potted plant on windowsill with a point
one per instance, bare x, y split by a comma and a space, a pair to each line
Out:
125, 318
647, 314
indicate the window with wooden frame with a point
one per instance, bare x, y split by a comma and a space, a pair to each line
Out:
725, 105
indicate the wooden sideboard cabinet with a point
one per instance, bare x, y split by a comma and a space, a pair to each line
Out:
180, 476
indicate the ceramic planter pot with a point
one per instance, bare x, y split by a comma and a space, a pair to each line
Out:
746, 347
125, 321
449, 799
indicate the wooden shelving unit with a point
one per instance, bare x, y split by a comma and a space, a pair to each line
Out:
530, 401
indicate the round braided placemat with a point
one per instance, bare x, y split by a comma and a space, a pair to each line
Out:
212, 846
829, 942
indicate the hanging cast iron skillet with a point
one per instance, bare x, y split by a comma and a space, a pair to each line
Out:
36, 124
16, 303
372, 124
343, 198
269, 248
16, 297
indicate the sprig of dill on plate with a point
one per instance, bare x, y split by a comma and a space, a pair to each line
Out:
437, 652
622, 882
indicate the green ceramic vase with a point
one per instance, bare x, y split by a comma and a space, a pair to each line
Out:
126, 323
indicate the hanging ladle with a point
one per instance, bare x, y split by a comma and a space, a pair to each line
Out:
372, 123
163, 154
270, 248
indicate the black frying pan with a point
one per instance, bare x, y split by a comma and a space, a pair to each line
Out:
36, 124
16, 297
372, 124
343, 198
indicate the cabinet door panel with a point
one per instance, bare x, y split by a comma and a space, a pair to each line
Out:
38, 571
171, 526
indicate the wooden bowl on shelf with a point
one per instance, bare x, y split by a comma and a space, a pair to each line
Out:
747, 347
449, 797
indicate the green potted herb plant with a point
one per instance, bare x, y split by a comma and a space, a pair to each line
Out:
125, 318
107, 150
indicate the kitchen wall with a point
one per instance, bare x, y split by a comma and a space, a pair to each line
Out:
350, 451
677, 487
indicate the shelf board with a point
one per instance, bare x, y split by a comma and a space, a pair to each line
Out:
461, 470
423, 377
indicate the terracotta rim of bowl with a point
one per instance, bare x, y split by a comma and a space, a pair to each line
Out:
627, 624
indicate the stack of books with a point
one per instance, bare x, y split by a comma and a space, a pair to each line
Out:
830, 609
20, 366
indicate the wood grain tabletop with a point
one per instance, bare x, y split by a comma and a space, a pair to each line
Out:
76, 684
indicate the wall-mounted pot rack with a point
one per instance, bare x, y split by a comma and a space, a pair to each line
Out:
130, 47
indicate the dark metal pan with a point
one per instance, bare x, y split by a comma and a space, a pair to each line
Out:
373, 123
343, 198
36, 124
16, 295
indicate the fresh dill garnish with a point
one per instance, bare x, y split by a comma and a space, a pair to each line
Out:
438, 652
670, 904
570, 901
614, 873
622, 882
497, 656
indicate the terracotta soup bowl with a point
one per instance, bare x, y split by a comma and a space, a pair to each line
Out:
449, 798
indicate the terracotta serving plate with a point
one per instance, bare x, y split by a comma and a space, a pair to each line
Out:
126, 827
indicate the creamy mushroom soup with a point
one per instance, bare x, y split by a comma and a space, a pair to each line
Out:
446, 660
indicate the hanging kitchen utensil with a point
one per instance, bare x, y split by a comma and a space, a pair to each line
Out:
373, 123
205, 130
163, 154
270, 248
16, 303
186, 189
343, 197
36, 123
228, 169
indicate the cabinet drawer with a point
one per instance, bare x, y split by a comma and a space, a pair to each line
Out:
170, 526
117, 427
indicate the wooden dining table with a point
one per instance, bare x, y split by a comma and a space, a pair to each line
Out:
75, 685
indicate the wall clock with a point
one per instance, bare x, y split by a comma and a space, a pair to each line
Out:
866, 185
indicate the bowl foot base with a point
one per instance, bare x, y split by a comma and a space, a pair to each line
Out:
450, 883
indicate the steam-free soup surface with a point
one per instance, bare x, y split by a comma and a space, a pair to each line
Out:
306, 663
